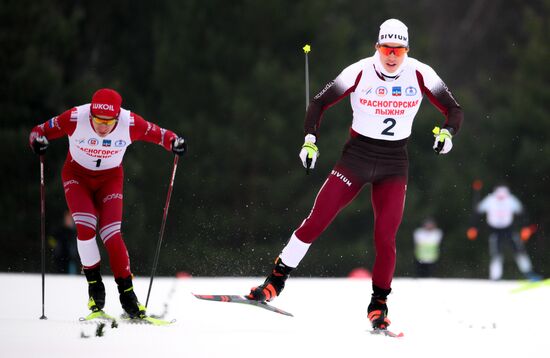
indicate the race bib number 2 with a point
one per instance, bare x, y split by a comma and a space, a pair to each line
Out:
390, 123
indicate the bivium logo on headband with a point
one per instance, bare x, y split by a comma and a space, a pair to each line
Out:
393, 37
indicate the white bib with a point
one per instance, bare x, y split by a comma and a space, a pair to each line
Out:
500, 211
93, 152
385, 110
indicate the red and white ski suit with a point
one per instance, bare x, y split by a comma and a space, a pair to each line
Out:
93, 178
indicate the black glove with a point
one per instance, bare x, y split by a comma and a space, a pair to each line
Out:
39, 145
179, 146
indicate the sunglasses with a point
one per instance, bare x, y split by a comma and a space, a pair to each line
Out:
108, 122
387, 50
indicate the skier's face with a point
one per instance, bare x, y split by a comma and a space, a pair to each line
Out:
102, 125
392, 55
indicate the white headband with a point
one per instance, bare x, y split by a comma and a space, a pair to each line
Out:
393, 31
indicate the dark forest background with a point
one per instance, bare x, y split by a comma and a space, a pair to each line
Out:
229, 77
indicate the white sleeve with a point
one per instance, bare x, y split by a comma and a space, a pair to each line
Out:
483, 205
517, 208
347, 78
432, 81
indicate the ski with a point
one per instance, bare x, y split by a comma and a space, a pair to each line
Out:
385, 332
529, 285
99, 316
147, 320
152, 320
244, 300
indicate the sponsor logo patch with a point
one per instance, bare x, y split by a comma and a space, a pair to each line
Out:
53, 122
393, 37
324, 89
112, 196
93, 141
340, 176
103, 106
69, 182
396, 91
106, 143
410, 91
381, 91
120, 143
367, 90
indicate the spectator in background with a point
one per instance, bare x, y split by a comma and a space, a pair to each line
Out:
501, 209
427, 239
63, 244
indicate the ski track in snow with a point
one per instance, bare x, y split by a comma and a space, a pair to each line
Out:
440, 318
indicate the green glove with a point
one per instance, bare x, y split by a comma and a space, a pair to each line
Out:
309, 152
443, 140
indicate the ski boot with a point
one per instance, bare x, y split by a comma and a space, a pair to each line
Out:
533, 276
378, 310
128, 298
273, 285
96, 289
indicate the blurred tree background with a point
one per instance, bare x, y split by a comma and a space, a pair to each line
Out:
229, 77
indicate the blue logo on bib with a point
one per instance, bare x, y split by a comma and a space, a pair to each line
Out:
396, 91
410, 91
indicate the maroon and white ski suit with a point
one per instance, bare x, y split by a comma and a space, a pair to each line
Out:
383, 112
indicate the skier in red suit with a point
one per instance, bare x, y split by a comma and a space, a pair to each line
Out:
99, 133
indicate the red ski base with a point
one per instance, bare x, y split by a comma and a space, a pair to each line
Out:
241, 299
385, 332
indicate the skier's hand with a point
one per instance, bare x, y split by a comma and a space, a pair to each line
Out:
39, 145
309, 152
443, 140
179, 146
471, 234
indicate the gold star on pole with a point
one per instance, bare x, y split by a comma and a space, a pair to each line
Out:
306, 48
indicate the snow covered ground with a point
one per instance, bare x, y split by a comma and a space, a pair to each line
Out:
440, 318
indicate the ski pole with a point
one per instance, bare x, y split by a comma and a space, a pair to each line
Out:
43, 232
165, 214
307, 49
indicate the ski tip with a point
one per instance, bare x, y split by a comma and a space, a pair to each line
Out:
204, 297
387, 333
287, 313
529, 285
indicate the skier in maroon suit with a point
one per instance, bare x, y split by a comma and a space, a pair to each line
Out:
385, 92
